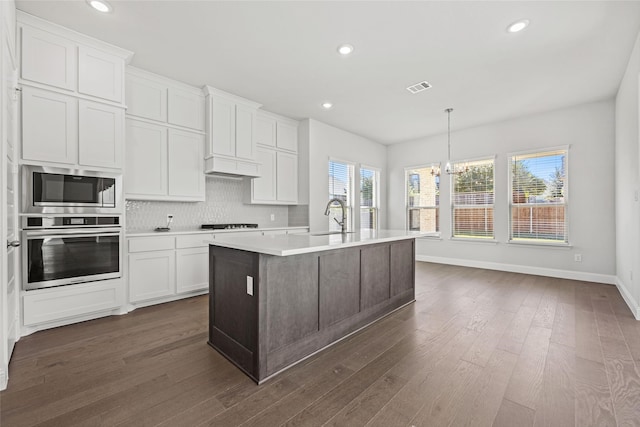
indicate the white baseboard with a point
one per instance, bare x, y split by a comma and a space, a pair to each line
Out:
628, 298
3, 379
524, 269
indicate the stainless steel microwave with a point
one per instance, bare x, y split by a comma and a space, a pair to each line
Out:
54, 190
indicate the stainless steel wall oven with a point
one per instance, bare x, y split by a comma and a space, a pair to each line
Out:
66, 191
65, 250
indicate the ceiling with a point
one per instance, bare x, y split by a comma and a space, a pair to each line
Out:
283, 55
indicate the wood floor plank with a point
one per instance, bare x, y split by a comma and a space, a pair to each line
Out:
624, 382
587, 340
481, 401
556, 405
515, 334
526, 382
511, 414
593, 405
564, 325
488, 340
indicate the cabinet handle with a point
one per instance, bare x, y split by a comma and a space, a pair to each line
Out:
13, 244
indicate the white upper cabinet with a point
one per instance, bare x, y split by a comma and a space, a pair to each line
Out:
100, 74
49, 126
277, 139
145, 98
287, 136
186, 175
160, 99
48, 59
231, 134
72, 96
287, 178
265, 130
186, 108
165, 142
146, 160
101, 134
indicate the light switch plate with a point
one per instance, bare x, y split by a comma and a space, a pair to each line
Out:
250, 285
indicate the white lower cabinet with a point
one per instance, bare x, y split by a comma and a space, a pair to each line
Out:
192, 267
65, 302
151, 275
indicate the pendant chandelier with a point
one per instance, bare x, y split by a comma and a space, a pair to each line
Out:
448, 167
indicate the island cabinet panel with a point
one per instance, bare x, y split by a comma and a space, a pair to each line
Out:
374, 274
339, 286
232, 310
402, 267
292, 294
301, 303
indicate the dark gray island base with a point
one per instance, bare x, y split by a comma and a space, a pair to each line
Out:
301, 303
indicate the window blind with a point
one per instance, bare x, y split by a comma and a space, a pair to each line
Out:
473, 199
368, 198
423, 198
538, 199
340, 186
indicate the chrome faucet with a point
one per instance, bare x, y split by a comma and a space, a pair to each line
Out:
344, 214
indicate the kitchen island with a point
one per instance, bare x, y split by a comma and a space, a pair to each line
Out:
275, 300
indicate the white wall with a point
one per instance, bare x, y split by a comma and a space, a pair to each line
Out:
326, 142
627, 182
588, 129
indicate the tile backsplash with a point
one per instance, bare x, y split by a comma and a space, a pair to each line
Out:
223, 204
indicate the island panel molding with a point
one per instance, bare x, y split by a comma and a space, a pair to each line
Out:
269, 312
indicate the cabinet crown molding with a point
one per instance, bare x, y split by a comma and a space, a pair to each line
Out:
24, 18
209, 91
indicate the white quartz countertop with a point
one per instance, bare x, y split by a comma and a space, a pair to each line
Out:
201, 231
294, 244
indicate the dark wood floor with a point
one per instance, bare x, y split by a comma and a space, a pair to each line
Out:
478, 348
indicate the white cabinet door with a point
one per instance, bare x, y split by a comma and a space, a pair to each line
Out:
48, 59
287, 177
287, 138
264, 187
100, 74
192, 266
151, 275
265, 131
145, 98
245, 135
49, 126
223, 128
146, 159
186, 109
100, 135
186, 174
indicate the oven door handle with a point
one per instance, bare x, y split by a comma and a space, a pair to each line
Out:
67, 233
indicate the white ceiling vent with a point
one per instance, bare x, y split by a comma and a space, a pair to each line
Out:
419, 87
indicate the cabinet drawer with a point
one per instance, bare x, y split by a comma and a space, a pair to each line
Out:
149, 244
69, 301
193, 240
274, 232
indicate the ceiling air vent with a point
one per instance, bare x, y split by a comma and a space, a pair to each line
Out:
419, 87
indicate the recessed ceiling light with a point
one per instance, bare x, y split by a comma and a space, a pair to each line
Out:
518, 26
327, 105
345, 49
100, 5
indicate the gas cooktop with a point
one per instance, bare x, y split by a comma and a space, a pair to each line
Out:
227, 226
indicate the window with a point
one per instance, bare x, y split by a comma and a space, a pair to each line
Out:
423, 198
538, 199
369, 178
472, 199
341, 184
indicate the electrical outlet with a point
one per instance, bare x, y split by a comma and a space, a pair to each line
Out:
273, 217
249, 285
169, 217
577, 257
